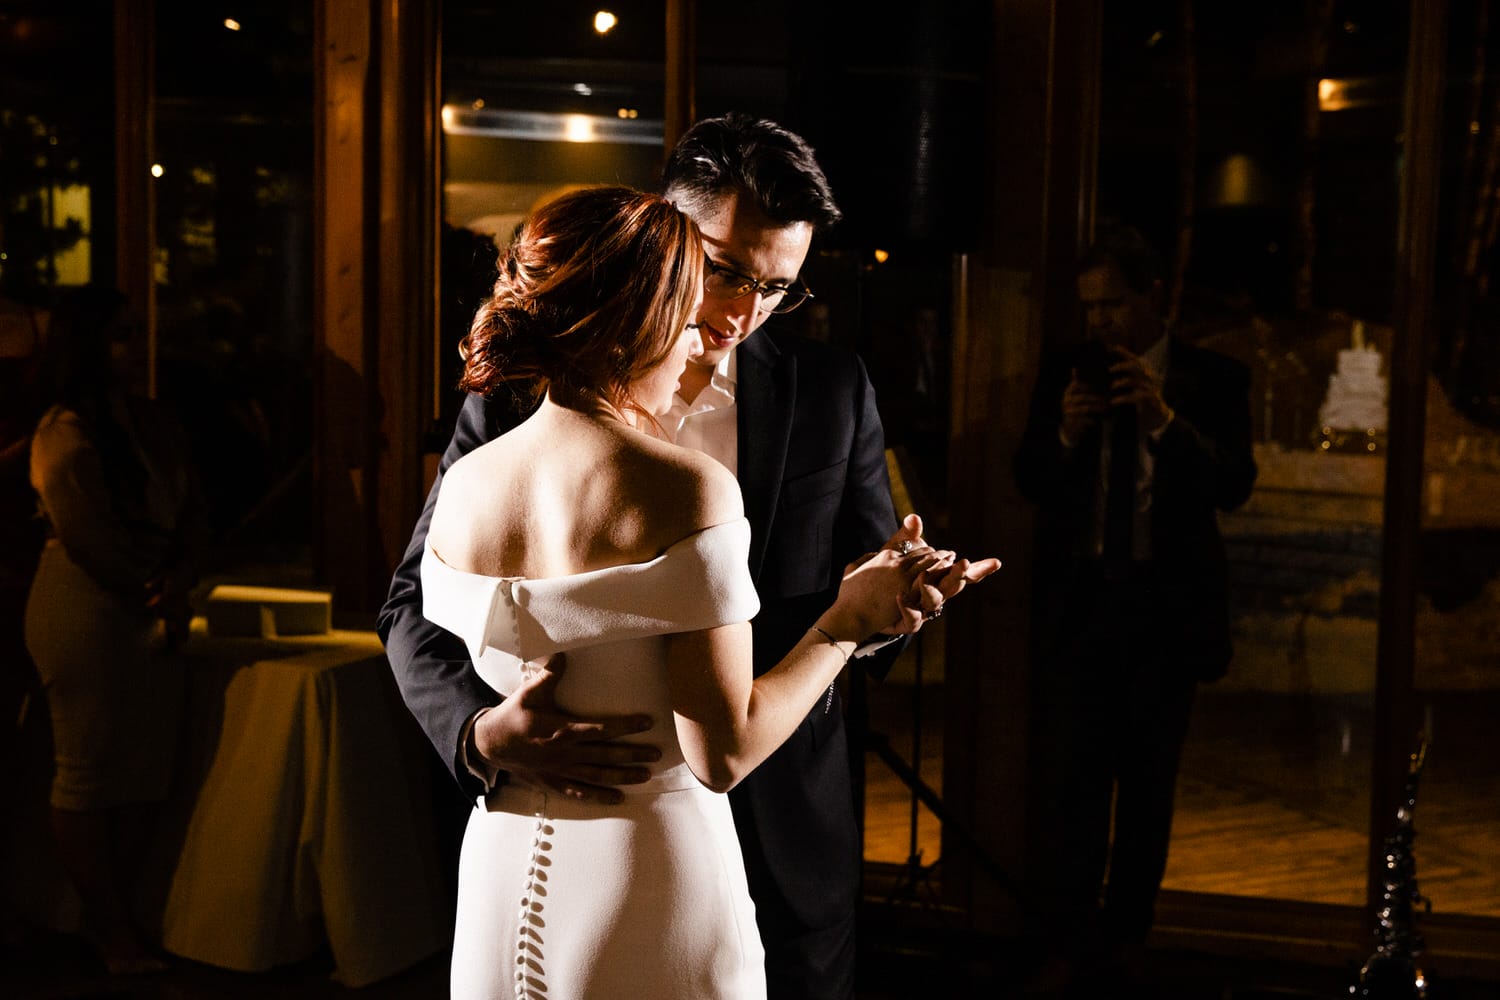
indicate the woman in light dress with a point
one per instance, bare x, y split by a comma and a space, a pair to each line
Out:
584, 532
126, 527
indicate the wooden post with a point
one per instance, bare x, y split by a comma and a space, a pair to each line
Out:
681, 69
406, 282
1016, 291
1400, 554
375, 166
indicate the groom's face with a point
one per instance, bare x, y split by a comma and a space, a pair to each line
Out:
738, 236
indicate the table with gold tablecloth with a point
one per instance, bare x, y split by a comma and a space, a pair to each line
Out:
303, 815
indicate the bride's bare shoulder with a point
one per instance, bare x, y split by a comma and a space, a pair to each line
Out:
475, 481
473, 471
698, 490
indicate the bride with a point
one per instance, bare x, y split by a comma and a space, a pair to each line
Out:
583, 532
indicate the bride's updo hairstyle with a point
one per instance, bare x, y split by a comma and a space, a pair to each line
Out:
591, 296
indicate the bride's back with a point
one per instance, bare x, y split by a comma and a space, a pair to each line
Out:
594, 303
567, 492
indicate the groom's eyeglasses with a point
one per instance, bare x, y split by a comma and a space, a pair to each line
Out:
727, 283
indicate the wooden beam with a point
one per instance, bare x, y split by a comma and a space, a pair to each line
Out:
376, 179
342, 250
406, 283
681, 102
1037, 207
1395, 735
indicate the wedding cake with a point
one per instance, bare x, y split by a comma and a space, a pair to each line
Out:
1356, 399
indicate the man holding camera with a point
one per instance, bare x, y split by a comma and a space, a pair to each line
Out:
1135, 440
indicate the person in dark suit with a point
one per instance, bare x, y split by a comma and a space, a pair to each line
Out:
1134, 442
796, 421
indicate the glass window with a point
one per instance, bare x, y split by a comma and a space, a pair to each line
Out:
57, 130
1272, 185
537, 98
1457, 677
56, 230
233, 265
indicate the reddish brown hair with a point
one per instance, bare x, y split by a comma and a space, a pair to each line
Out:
592, 294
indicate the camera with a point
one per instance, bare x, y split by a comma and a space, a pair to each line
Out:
1092, 363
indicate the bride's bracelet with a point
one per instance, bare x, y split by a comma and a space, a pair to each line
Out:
832, 641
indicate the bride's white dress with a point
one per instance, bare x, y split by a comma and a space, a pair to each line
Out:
560, 899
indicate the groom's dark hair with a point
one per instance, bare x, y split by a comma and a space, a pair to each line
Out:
754, 157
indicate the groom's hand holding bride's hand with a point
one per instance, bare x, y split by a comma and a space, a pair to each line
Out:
935, 587
531, 739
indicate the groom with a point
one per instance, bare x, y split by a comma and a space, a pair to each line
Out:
796, 421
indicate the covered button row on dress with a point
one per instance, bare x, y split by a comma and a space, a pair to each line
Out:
503, 629
530, 971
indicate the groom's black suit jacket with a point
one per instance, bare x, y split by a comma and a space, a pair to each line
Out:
817, 494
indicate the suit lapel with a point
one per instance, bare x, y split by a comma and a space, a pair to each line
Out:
764, 396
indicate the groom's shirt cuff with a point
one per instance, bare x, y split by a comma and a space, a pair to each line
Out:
468, 753
871, 645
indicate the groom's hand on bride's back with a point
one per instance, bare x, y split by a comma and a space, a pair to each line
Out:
531, 739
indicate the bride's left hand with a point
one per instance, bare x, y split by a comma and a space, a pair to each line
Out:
930, 592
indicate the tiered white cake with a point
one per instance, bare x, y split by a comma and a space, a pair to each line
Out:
1356, 397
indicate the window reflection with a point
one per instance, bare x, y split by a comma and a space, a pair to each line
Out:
1457, 671
1291, 210
535, 101
56, 197
232, 265
1286, 134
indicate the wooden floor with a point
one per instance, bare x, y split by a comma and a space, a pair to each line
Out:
1272, 797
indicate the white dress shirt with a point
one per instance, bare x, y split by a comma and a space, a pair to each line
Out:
707, 424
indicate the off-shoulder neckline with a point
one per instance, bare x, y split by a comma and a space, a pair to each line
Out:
684, 540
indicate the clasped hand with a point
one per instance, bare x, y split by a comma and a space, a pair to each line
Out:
943, 579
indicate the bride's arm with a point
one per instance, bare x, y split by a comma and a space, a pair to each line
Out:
728, 722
